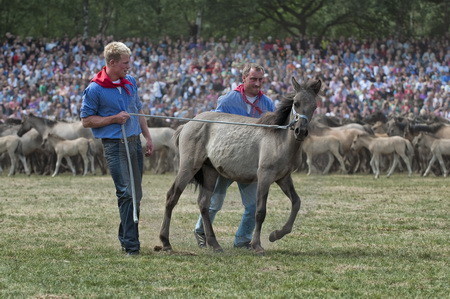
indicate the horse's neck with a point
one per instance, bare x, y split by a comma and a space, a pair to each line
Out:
40, 126
366, 140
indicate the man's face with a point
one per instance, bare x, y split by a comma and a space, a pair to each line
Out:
119, 68
253, 82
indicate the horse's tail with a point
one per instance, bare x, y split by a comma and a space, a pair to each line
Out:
341, 148
91, 147
176, 135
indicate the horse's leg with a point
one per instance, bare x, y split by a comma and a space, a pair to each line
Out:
373, 165
408, 164
441, 162
309, 162
58, 163
183, 177
69, 162
430, 165
287, 186
12, 169
204, 199
394, 165
24, 163
85, 163
160, 165
330, 162
91, 160
338, 156
261, 202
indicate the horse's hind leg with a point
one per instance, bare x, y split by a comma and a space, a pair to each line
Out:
69, 162
330, 162
394, 165
24, 163
441, 162
204, 199
287, 186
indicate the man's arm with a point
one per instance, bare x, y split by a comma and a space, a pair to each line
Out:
146, 134
96, 121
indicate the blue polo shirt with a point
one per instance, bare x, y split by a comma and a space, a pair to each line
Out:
233, 103
101, 101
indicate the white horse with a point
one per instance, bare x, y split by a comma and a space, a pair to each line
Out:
438, 148
66, 130
378, 146
164, 145
327, 144
68, 148
11, 144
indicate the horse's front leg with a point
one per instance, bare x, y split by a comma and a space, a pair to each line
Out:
286, 184
173, 195
261, 203
58, 163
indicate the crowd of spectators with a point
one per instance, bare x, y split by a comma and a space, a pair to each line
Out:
184, 77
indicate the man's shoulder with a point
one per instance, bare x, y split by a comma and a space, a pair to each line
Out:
233, 94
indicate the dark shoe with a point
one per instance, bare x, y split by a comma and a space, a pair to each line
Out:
201, 239
132, 253
245, 245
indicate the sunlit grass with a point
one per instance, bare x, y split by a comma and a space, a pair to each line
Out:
354, 237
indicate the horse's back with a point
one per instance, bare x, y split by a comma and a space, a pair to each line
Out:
233, 150
72, 130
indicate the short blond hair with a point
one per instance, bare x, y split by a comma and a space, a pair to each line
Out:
114, 51
247, 68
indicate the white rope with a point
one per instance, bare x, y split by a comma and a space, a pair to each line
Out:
130, 169
213, 121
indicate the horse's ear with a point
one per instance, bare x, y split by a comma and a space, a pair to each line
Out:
316, 86
296, 84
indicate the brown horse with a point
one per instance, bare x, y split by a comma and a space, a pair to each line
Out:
244, 154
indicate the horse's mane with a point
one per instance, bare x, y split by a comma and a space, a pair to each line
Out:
13, 121
433, 128
57, 137
280, 115
46, 121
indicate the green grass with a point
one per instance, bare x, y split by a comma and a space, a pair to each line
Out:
354, 237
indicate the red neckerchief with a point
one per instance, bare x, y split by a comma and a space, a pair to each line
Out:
240, 89
103, 80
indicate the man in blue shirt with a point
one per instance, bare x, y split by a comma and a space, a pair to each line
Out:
247, 100
107, 102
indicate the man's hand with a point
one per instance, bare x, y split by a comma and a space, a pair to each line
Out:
122, 117
149, 147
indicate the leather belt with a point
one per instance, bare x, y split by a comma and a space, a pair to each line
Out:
121, 140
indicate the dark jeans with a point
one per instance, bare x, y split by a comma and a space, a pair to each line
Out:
116, 157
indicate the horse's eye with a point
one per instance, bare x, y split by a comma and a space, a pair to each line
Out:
296, 104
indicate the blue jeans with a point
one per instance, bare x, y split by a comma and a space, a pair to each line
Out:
248, 195
116, 157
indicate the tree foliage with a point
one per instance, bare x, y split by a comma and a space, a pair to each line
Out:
216, 18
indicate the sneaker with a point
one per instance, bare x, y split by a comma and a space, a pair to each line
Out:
132, 253
245, 245
201, 239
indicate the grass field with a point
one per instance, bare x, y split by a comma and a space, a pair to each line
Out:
354, 237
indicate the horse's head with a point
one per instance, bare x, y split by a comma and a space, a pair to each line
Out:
25, 126
303, 107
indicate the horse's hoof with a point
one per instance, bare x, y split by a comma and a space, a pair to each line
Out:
218, 250
273, 236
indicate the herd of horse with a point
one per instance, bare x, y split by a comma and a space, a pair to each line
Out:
201, 150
